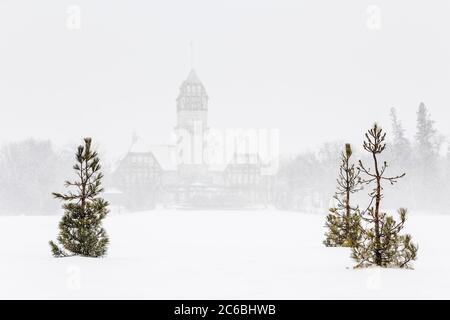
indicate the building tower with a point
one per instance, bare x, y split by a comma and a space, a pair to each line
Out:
192, 104
192, 124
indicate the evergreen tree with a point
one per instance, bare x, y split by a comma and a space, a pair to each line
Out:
29, 171
400, 144
400, 153
381, 243
80, 229
426, 168
343, 221
426, 133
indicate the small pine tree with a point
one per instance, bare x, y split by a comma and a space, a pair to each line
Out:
343, 221
381, 243
80, 229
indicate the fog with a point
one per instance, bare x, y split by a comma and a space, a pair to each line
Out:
303, 67
317, 71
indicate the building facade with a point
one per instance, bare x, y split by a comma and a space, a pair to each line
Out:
180, 176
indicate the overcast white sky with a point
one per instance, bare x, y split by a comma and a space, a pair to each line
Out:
313, 69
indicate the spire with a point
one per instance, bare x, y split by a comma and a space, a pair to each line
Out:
192, 77
191, 48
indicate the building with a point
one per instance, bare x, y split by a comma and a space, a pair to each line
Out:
180, 176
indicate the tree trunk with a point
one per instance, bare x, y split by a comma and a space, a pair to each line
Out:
378, 260
347, 196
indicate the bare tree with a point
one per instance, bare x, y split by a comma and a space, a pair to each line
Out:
381, 243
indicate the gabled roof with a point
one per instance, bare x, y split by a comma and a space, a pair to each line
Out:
165, 155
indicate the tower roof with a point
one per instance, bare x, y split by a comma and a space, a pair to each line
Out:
192, 94
192, 77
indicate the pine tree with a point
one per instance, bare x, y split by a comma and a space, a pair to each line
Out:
80, 229
343, 221
401, 146
426, 168
381, 243
401, 153
426, 133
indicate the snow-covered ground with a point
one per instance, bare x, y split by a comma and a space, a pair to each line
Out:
215, 255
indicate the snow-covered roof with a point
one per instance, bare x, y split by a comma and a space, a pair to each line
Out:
166, 156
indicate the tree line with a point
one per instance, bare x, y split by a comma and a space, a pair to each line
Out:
306, 180
31, 169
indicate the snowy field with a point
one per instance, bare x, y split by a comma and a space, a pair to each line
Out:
215, 255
